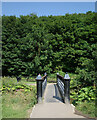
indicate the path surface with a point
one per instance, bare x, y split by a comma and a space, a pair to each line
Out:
52, 106
33, 84
52, 94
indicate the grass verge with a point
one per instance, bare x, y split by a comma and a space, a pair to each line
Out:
17, 99
87, 109
17, 104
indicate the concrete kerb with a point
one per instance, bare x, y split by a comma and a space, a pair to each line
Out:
73, 108
32, 110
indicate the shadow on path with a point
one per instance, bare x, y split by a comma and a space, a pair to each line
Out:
57, 94
52, 94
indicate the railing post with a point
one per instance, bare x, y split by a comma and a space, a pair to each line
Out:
67, 88
39, 81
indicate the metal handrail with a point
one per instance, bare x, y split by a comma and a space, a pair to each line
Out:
63, 84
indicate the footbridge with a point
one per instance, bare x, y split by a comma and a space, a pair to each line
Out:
53, 99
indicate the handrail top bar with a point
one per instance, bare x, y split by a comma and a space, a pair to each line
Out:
42, 78
60, 76
63, 78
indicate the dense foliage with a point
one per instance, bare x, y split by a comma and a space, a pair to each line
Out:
32, 44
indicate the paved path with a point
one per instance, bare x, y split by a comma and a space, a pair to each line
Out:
52, 94
32, 84
52, 106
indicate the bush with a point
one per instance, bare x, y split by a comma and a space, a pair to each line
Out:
84, 94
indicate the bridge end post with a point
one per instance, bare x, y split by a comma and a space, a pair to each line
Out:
67, 88
39, 88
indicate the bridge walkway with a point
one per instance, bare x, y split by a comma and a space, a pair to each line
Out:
52, 106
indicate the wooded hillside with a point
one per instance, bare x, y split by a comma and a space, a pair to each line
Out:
33, 44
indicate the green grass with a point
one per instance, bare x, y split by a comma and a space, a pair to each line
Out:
87, 108
0, 107
17, 102
30, 82
14, 80
51, 79
30, 79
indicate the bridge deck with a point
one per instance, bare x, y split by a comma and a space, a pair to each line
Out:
52, 94
52, 106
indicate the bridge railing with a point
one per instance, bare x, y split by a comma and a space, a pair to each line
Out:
41, 85
63, 84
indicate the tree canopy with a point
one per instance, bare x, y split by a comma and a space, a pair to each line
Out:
33, 44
